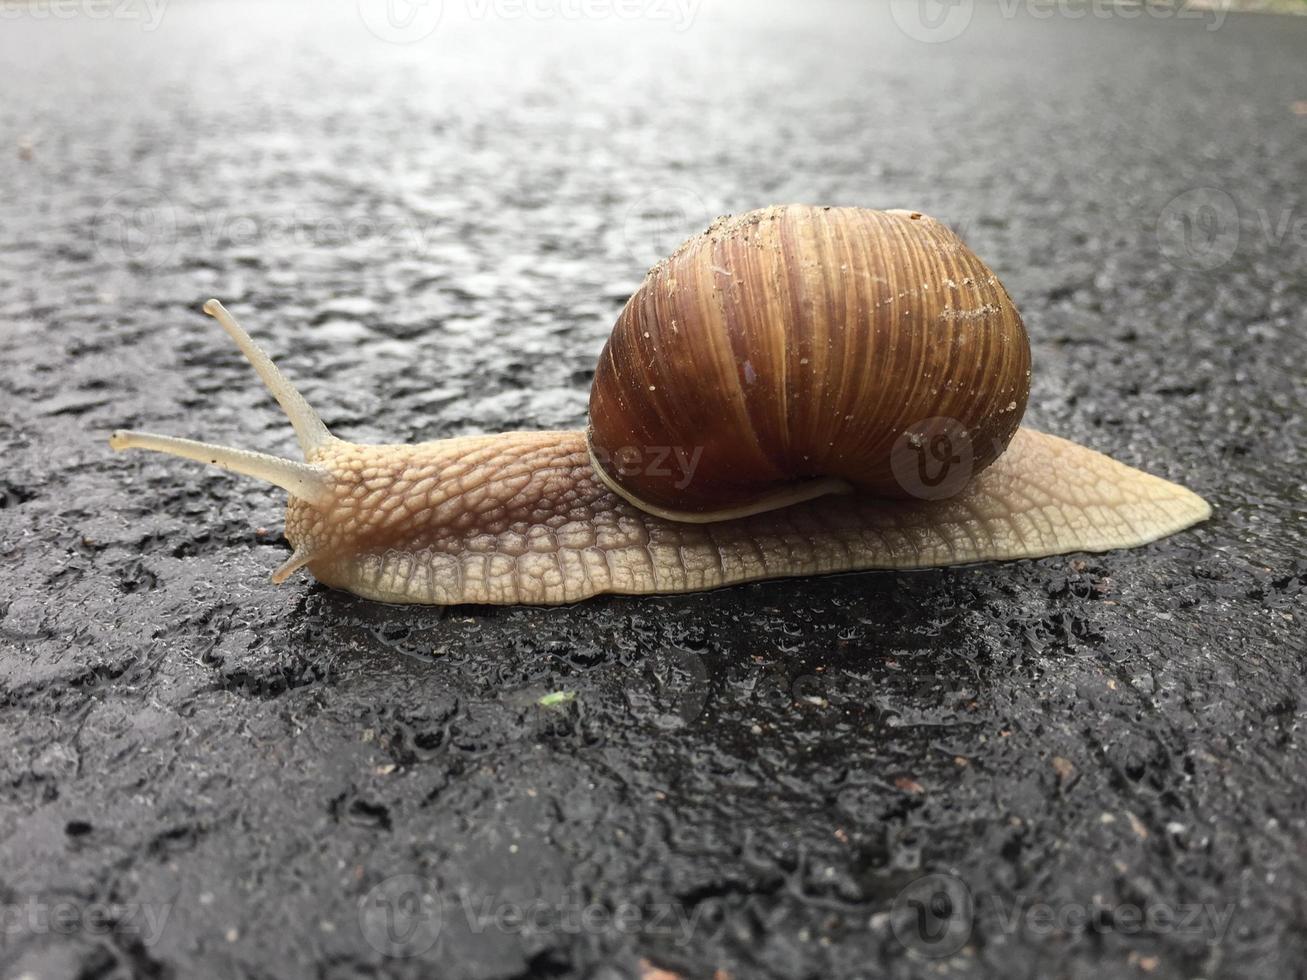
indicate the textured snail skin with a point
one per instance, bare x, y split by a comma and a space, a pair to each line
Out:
522, 518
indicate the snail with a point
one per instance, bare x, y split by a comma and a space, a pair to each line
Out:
797, 390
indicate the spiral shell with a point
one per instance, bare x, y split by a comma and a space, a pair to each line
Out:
796, 351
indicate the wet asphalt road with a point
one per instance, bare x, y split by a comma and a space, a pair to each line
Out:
1083, 766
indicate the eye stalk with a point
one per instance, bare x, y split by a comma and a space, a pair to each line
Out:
302, 480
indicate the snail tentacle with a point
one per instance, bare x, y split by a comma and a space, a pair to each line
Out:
298, 559
309, 428
304, 481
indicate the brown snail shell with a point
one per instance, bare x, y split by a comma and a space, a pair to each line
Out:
796, 351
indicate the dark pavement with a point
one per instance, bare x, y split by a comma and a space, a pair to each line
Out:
1084, 766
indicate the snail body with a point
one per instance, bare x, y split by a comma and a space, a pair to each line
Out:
796, 391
